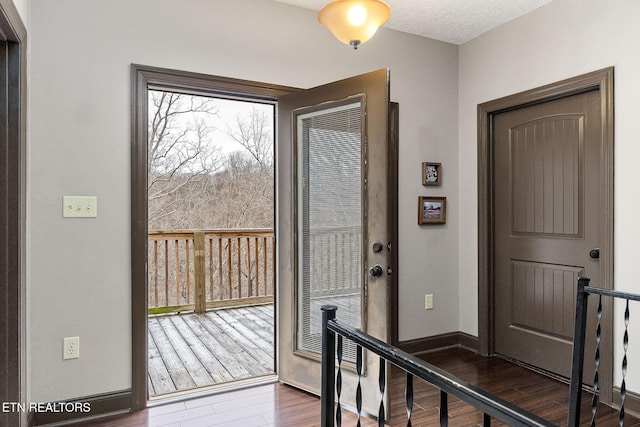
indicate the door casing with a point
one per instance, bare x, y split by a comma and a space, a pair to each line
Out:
143, 78
13, 366
602, 81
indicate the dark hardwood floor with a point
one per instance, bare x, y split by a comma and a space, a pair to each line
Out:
525, 388
280, 405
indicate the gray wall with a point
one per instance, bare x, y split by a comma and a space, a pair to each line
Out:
79, 141
79, 144
566, 38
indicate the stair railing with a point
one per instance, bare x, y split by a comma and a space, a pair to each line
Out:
577, 366
491, 406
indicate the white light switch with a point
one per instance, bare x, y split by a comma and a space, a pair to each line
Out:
79, 206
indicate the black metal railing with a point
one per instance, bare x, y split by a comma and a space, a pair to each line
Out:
577, 366
449, 385
491, 406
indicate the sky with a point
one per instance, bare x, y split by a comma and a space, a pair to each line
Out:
228, 111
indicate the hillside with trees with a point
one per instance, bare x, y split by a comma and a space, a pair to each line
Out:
204, 172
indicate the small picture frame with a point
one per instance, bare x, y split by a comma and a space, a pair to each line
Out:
431, 173
432, 210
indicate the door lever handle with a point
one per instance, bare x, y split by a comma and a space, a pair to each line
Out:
594, 253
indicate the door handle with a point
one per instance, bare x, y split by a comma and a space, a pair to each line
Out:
376, 270
594, 253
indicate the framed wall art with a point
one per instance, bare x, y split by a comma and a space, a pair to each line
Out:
432, 210
431, 173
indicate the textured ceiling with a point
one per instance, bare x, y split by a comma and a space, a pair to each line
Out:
453, 21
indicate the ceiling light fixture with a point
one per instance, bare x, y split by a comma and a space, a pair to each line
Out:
353, 22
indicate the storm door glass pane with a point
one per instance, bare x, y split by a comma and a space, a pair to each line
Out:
329, 221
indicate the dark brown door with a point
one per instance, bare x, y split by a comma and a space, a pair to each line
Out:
547, 221
333, 200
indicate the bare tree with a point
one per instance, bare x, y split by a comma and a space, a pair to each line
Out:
191, 183
244, 194
255, 134
181, 156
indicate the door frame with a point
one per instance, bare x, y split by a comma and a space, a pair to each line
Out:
142, 78
602, 81
13, 366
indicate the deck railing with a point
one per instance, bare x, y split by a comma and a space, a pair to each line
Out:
196, 270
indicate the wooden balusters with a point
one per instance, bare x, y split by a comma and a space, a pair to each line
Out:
209, 269
177, 271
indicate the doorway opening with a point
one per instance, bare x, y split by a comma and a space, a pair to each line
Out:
211, 244
167, 273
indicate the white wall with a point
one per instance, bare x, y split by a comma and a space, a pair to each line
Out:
79, 145
563, 39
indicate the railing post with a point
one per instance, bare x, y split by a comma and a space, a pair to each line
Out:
327, 396
199, 273
577, 363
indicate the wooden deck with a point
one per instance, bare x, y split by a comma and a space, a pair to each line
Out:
189, 351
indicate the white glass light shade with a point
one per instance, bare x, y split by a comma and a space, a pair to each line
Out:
353, 22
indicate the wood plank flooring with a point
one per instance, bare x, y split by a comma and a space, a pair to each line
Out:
527, 389
280, 405
189, 351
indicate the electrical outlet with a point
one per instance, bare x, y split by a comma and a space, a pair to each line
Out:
428, 302
70, 348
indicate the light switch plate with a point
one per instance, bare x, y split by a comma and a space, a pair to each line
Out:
79, 206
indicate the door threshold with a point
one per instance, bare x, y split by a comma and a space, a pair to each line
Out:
197, 393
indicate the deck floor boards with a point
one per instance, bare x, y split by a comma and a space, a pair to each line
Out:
188, 351
229, 366
178, 374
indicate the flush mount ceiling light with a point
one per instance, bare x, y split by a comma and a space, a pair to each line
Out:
353, 22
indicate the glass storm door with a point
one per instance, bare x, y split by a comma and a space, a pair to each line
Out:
332, 225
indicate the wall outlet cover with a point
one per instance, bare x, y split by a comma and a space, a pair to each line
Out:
70, 348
